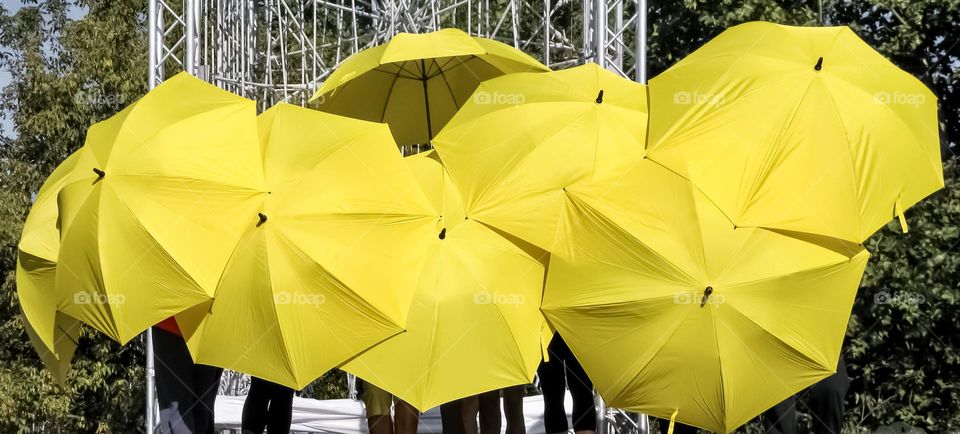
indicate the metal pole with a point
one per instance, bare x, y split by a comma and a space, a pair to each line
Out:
642, 41
153, 52
190, 36
600, 31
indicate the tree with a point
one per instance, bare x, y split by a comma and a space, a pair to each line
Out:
901, 344
66, 75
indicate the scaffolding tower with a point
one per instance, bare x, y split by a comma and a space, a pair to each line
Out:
282, 50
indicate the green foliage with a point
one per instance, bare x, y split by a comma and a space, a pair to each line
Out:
66, 75
902, 343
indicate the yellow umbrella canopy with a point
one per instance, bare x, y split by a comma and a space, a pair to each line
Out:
798, 128
512, 157
670, 308
474, 323
416, 82
322, 269
53, 335
146, 214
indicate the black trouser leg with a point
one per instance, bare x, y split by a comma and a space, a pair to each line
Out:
581, 388
513, 410
175, 381
451, 418
826, 401
781, 418
280, 413
490, 412
207, 382
254, 417
553, 384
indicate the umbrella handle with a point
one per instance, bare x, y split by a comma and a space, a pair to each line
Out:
898, 210
673, 420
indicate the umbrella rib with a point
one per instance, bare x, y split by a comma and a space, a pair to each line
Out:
386, 101
517, 159
426, 100
469, 58
768, 161
450, 89
723, 385
652, 357
583, 203
499, 315
767, 332
448, 61
682, 123
705, 195
433, 333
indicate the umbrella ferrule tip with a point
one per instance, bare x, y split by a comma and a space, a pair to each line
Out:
600, 97
443, 233
262, 217
100, 173
819, 64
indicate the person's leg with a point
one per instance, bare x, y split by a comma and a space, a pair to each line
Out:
406, 417
826, 401
513, 410
377, 405
174, 380
451, 417
253, 419
781, 418
552, 385
206, 382
490, 417
280, 411
581, 390
469, 413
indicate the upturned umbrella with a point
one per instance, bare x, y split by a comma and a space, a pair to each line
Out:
416, 82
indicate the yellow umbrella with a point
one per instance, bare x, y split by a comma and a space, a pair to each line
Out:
322, 269
416, 82
513, 157
798, 128
474, 323
53, 335
674, 312
146, 215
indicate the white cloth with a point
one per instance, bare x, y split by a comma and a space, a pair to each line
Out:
346, 416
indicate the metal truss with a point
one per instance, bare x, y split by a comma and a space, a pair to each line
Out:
282, 50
